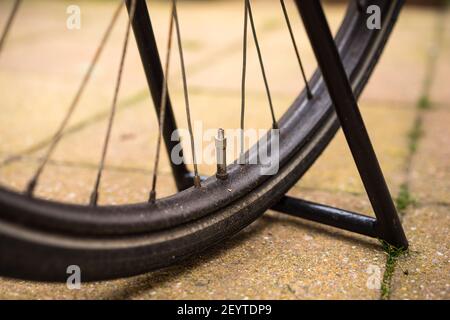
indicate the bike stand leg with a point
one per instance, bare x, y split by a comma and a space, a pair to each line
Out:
387, 225
334, 217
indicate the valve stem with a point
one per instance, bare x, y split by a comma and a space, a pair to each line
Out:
221, 155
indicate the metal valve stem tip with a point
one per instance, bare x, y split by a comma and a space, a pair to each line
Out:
221, 155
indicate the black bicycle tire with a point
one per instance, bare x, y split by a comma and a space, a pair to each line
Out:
38, 242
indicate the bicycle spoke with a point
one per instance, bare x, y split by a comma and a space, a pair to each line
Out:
294, 43
197, 181
244, 72
59, 133
94, 194
261, 63
162, 107
9, 23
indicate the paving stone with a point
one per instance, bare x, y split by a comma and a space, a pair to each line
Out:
335, 169
279, 58
42, 67
424, 273
440, 94
399, 76
430, 172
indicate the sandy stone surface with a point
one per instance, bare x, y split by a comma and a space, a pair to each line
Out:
424, 272
276, 257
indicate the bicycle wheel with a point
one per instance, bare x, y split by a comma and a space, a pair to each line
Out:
39, 239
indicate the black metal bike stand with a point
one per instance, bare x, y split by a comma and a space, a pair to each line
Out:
387, 225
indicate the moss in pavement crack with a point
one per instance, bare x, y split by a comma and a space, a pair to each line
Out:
404, 199
414, 135
393, 254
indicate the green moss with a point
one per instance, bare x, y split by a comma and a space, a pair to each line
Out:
393, 254
415, 134
404, 199
424, 103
